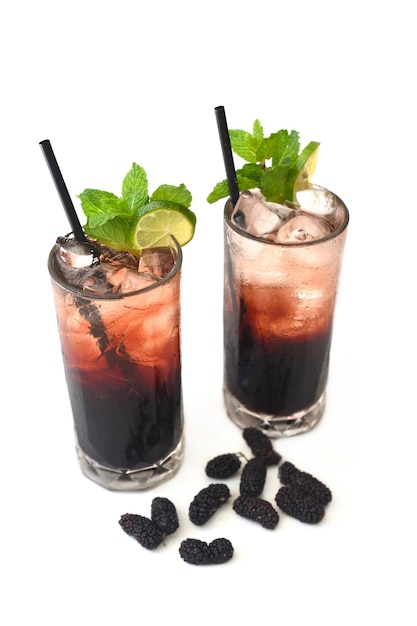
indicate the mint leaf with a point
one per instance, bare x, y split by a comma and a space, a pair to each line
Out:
287, 148
258, 131
246, 183
280, 146
267, 148
252, 171
221, 190
273, 183
276, 179
171, 193
248, 177
247, 145
135, 188
101, 206
244, 144
113, 233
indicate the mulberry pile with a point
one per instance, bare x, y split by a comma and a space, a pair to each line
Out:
199, 552
300, 495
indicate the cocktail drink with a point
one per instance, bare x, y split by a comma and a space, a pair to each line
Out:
120, 336
283, 246
282, 268
116, 286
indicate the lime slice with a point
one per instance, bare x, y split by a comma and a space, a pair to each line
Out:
300, 177
159, 221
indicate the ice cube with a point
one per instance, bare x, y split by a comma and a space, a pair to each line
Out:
284, 212
116, 277
133, 281
72, 253
318, 201
71, 275
74, 259
321, 203
158, 262
97, 279
302, 228
253, 215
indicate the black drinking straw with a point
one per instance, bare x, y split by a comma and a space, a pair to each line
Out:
62, 190
227, 154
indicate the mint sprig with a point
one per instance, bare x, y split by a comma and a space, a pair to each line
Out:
111, 218
275, 178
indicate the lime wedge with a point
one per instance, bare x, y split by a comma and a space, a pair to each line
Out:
159, 221
300, 176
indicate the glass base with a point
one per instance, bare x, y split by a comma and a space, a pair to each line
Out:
131, 480
271, 425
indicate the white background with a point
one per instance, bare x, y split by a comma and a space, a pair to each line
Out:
110, 83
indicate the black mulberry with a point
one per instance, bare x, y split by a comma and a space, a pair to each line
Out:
142, 529
311, 486
221, 550
199, 552
294, 502
206, 503
261, 446
129, 523
164, 515
195, 551
223, 466
252, 480
257, 510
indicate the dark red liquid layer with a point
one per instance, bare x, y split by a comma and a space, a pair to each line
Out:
273, 375
131, 425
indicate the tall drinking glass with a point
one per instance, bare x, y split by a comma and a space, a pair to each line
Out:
279, 301
120, 339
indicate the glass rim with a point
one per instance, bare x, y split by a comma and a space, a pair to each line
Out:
290, 244
114, 296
